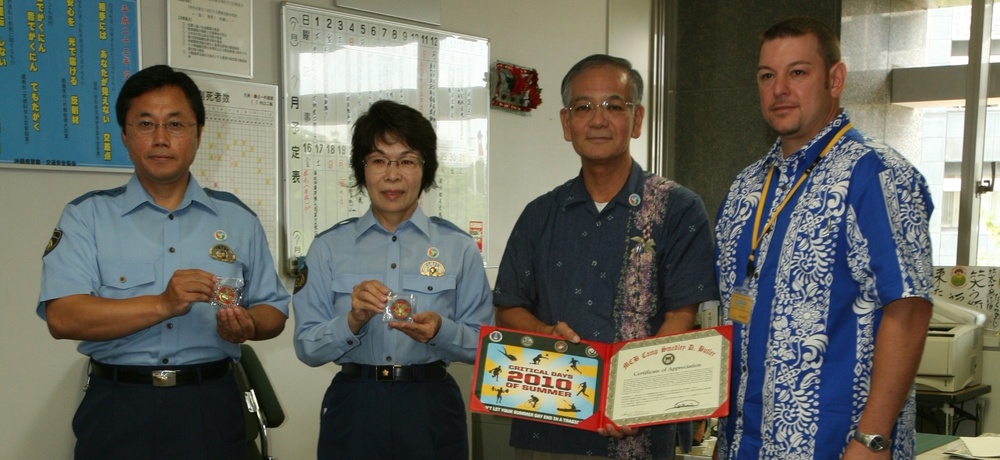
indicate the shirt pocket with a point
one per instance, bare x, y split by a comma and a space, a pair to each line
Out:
124, 279
224, 269
344, 284
434, 293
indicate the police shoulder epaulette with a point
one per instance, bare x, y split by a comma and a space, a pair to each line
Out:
111, 192
446, 223
337, 225
228, 198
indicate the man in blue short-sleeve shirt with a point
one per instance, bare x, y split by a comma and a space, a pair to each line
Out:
160, 281
824, 263
614, 254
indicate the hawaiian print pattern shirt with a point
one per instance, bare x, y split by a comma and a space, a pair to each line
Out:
854, 239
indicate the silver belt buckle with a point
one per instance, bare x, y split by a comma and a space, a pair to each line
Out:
164, 378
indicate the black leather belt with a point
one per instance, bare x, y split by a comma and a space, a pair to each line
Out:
435, 371
162, 377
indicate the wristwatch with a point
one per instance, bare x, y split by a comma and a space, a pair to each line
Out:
874, 442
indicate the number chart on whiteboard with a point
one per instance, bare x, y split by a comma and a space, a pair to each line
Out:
335, 66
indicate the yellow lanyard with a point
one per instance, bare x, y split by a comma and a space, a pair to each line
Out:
757, 237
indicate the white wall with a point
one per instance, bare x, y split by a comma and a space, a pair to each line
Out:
630, 31
42, 378
991, 376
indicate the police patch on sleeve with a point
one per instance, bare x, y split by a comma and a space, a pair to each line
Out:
301, 278
53, 242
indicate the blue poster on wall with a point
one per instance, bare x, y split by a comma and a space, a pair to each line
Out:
62, 64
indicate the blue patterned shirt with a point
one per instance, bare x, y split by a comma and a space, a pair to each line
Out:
854, 238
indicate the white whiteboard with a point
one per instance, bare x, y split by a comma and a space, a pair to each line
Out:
335, 66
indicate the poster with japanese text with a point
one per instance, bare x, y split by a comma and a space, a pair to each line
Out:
62, 65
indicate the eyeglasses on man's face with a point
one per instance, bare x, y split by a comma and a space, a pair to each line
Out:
612, 108
379, 164
174, 127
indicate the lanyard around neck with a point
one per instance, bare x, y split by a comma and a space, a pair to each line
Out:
757, 237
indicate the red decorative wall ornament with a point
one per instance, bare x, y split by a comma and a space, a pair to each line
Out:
514, 87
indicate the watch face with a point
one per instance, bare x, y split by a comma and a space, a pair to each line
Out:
874, 442
877, 443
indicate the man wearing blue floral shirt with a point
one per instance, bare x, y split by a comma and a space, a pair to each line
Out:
824, 263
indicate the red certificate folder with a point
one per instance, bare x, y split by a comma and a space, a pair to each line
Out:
590, 384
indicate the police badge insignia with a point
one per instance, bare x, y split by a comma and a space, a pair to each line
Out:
432, 268
301, 278
53, 242
222, 253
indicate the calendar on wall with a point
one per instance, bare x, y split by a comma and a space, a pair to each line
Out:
335, 66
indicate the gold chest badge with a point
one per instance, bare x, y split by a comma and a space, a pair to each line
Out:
222, 253
432, 268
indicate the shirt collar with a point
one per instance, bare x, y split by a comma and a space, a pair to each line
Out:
578, 192
806, 152
136, 195
368, 222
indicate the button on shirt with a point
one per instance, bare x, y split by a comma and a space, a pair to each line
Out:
361, 249
119, 244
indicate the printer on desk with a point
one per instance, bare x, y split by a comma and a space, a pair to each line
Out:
953, 353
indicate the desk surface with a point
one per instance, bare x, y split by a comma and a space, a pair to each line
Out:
927, 442
964, 394
938, 453
929, 447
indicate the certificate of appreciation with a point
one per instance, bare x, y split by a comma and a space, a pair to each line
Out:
589, 384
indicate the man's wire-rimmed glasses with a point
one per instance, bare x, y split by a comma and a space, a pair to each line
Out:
612, 108
173, 127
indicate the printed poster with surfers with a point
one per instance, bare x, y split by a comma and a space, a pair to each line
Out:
587, 385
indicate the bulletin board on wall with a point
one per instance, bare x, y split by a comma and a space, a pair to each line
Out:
335, 66
61, 69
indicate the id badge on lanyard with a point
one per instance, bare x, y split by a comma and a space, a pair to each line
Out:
741, 304
742, 301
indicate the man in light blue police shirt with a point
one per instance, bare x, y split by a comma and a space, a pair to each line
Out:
160, 281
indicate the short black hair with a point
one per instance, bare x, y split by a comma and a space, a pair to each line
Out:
153, 78
602, 60
391, 122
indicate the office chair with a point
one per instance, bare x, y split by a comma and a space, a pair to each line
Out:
263, 410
